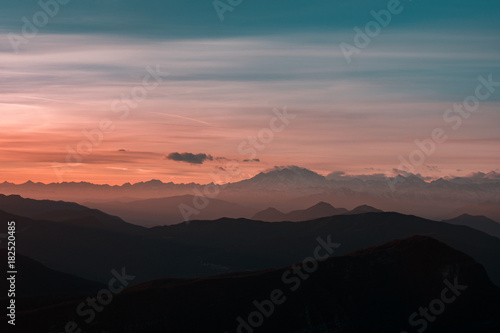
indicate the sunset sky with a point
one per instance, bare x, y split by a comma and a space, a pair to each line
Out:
221, 80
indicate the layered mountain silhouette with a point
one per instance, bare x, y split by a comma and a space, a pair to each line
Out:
288, 241
373, 290
481, 223
202, 248
363, 209
321, 209
166, 211
67, 212
91, 252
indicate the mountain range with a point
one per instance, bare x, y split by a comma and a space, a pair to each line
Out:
292, 188
166, 211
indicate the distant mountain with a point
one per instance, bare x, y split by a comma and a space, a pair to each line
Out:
85, 191
167, 211
481, 223
321, 209
375, 290
270, 215
364, 209
284, 177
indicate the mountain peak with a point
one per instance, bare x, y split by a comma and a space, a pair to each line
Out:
365, 209
287, 176
321, 205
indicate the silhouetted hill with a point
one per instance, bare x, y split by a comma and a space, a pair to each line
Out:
18, 205
92, 252
481, 223
37, 285
364, 209
287, 241
374, 290
270, 215
66, 212
321, 209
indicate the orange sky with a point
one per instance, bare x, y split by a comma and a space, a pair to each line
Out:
209, 102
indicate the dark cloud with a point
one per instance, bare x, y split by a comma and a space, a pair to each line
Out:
189, 157
252, 160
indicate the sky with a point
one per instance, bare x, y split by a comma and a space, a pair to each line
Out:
115, 91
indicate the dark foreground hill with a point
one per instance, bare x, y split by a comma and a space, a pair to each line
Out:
37, 285
403, 286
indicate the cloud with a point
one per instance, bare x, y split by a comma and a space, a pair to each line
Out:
432, 168
481, 175
341, 175
189, 157
252, 160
